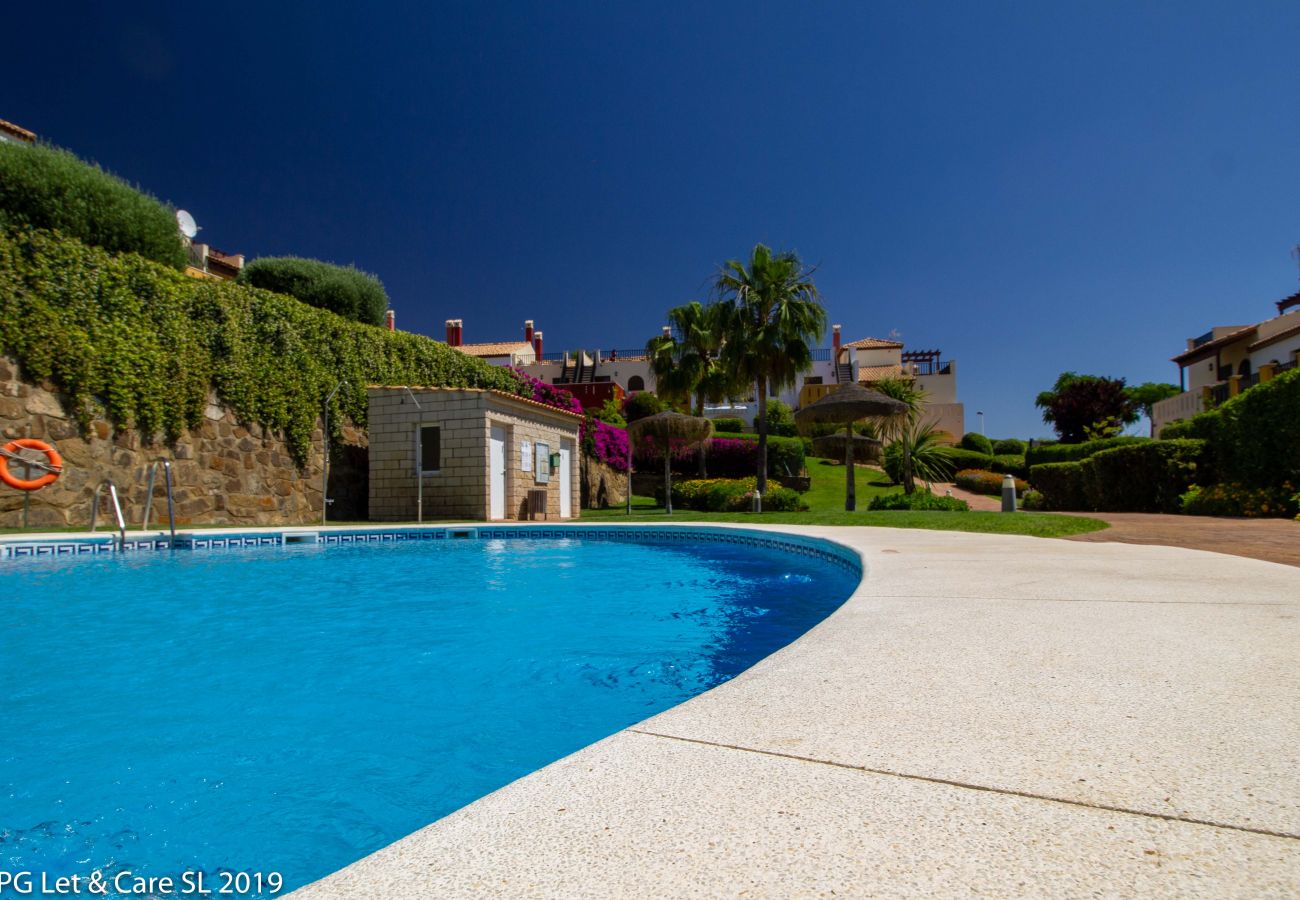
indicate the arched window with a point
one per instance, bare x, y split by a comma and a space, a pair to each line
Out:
636, 383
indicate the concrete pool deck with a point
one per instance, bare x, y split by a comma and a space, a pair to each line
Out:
988, 714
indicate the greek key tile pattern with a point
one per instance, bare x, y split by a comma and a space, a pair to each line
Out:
814, 547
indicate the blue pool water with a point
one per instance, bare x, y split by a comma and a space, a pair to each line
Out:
291, 709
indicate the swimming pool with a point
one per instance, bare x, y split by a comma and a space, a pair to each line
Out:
288, 710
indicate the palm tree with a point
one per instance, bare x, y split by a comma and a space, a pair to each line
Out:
900, 427
686, 362
773, 320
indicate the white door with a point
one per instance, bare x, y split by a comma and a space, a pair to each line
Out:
566, 480
497, 473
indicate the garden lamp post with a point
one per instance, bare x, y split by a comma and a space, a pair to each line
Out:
845, 406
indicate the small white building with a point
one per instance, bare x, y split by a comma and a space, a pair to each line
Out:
469, 453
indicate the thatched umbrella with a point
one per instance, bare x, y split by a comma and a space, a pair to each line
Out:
846, 406
865, 449
665, 428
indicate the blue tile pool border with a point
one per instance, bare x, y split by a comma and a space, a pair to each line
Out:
822, 548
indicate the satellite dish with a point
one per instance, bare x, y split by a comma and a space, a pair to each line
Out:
186, 223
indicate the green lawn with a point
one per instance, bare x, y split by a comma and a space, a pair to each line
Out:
826, 497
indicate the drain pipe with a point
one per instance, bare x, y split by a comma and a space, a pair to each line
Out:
419, 461
325, 462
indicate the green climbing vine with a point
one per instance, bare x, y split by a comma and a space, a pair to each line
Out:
149, 343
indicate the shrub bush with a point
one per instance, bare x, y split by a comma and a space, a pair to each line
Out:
729, 424
1032, 500
1010, 447
919, 500
780, 419
1060, 484
976, 442
641, 404
1056, 453
730, 495
1254, 438
1238, 500
1010, 465
1183, 428
42, 187
344, 290
978, 481
152, 343
969, 459
1146, 477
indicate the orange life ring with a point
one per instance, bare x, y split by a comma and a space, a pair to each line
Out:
53, 468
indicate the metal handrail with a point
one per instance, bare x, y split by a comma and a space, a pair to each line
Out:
117, 510
148, 496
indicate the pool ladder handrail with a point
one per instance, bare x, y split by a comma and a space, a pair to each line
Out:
148, 496
117, 510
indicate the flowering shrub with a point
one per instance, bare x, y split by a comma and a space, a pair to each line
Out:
600, 440
1238, 500
729, 457
978, 481
731, 495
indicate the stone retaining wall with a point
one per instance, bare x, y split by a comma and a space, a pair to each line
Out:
224, 472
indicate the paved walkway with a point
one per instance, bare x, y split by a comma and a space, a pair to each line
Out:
988, 715
1274, 540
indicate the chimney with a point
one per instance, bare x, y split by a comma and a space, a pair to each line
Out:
390, 320
537, 344
528, 331
451, 332
835, 343
668, 332
460, 332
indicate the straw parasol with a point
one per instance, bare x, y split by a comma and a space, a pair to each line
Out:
665, 428
865, 449
845, 406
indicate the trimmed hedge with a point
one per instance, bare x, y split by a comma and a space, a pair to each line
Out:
1010, 465
729, 424
1060, 484
730, 495
969, 459
150, 343
345, 290
43, 187
918, 500
1147, 477
1254, 438
728, 456
1010, 447
1057, 453
976, 442
1137, 477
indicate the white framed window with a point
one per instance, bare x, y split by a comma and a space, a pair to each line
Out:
428, 448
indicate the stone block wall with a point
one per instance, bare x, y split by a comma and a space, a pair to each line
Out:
224, 472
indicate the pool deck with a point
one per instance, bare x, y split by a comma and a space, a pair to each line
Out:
988, 715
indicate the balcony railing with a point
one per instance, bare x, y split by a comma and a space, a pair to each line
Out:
1219, 392
930, 367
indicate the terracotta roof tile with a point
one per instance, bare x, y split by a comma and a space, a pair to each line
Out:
868, 374
496, 348
18, 131
871, 343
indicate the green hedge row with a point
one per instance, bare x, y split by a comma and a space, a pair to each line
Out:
1012, 464
736, 426
1138, 477
150, 343
345, 290
1254, 438
42, 187
730, 495
1058, 453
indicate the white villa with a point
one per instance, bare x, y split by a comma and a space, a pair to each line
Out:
1228, 359
596, 375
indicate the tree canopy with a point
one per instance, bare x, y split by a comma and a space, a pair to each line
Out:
1079, 404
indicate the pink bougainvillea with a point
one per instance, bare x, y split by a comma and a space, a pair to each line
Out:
600, 440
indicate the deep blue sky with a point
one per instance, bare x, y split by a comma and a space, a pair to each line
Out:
1030, 187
